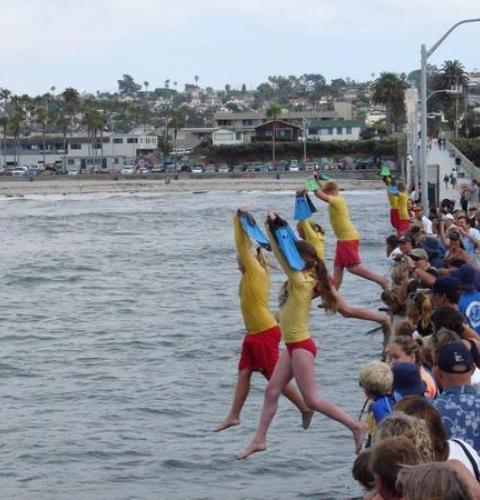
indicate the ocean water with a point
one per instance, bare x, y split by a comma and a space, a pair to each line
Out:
120, 332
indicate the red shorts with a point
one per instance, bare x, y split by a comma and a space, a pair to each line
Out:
260, 351
403, 226
346, 254
394, 217
308, 345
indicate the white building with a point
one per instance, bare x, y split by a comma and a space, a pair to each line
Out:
334, 130
224, 136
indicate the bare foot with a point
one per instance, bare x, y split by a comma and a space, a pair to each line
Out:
228, 422
253, 447
307, 418
359, 436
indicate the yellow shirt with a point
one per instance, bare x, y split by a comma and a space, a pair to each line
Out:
295, 313
340, 219
254, 286
316, 238
393, 200
403, 206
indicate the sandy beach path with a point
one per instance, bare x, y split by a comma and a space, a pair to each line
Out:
73, 185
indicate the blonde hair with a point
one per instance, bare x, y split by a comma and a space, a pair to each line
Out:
432, 481
415, 429
376, 378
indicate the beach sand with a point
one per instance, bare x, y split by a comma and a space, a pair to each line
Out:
74, 185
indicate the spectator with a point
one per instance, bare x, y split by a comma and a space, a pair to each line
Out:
405, 244
361, 470
445, 293
407, 380
469, 302
420, 216
386, 461
444, 450
376, 379
432, 482
415, 429
459, 404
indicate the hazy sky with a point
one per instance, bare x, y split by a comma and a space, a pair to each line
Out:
89, 44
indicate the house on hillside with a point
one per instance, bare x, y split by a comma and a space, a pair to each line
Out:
334, 130
227, 137
284, 131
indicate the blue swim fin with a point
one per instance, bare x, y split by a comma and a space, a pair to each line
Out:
304, 207
286, 242
250, 227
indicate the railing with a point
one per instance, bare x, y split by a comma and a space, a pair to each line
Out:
467, 165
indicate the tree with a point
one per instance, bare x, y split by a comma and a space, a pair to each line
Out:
272, 113
196, 78
71, 99
127, 86
4, 125
176, 123
63, 121
388, 89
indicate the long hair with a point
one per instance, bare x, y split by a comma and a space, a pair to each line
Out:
323, 287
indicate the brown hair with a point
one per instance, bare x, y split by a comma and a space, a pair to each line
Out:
361, 471
387, 459
420, 309
436, 481
330, 186
323, 287
409, 345
419, 407
404, 329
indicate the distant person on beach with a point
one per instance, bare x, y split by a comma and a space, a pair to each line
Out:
260, 346
347, 255
446, 179
453, 177
298, 360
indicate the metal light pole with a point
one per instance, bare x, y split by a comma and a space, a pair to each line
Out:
424, 55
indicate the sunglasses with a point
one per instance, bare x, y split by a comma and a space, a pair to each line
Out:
417, 209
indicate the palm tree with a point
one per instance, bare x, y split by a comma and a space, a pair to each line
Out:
94, 121
41, 118
146, 84
15, 125
196, 78
176, 122
4, 125
272, 113
62, 122
71, 99
388, 89
454, 77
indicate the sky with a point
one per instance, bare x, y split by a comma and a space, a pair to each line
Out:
90, 44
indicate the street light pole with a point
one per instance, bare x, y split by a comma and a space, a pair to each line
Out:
424, 55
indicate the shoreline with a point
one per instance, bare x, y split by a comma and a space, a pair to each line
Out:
70, 186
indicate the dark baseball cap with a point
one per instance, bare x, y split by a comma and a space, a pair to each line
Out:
445, 285
465, 275
407, 380
405, 239
455, 357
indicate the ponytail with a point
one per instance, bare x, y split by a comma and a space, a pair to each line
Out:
324, 288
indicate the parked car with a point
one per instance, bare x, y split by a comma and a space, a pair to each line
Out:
197, 169
294, 168
210, 169
128, 171
223, 169
20, 171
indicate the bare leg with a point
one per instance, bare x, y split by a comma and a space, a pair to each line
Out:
348, 311
337, 277
241, 392
293, 394
280, 378
361, 270
303, 370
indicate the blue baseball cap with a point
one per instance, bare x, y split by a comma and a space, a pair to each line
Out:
407, 380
